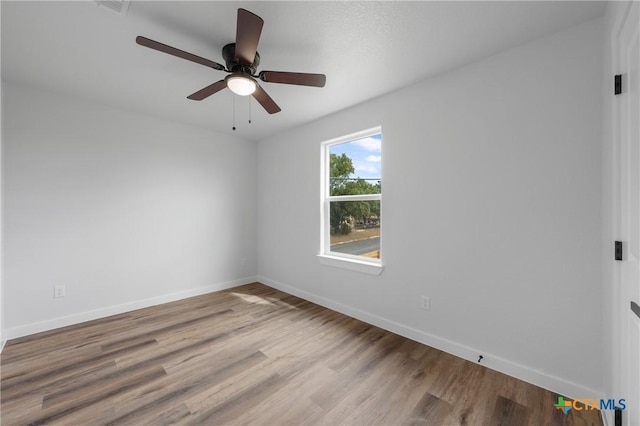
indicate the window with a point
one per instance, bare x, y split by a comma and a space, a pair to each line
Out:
351, 199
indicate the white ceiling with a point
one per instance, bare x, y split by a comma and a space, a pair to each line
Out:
366, 49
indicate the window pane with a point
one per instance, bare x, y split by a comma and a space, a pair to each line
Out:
354, 167
355, 227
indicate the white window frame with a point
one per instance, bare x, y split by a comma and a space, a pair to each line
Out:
326, 256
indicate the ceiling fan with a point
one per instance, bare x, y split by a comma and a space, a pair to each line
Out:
242, 60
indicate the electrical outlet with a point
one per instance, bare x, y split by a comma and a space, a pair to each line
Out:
59, 291
243, 261
426, 303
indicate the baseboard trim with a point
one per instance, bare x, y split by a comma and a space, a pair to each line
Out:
494, 362
37, 327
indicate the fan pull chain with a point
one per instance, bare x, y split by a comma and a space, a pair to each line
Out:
234, 112
249, 109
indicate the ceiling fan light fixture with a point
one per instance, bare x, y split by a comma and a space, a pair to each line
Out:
242, 85
242, 60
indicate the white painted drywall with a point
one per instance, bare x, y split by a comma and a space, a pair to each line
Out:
2, 336
491, 207
123, 209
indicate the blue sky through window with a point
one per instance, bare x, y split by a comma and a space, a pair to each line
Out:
365, 155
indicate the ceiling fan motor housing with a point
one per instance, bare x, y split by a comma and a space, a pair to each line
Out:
233, 63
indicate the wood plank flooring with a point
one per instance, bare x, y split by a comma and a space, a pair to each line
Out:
253, 355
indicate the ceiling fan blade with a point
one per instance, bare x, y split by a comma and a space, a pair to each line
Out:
299, 78
265, 100
208, 91
161, 47
248, 31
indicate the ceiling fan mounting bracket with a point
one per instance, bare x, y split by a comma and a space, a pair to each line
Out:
233, 63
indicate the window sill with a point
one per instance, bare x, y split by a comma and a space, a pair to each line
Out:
351, 264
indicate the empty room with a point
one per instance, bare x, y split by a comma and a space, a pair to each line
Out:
320, 213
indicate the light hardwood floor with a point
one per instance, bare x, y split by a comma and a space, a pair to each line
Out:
253, 355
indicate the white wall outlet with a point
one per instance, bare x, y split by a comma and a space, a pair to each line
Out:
59, 291
243, 261
425, 303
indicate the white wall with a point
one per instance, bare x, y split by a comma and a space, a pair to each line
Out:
2, 335
491, 206
124, 209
